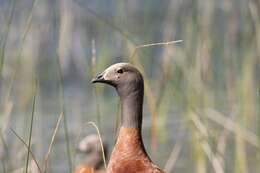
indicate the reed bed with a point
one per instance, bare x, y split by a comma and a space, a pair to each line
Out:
202, 95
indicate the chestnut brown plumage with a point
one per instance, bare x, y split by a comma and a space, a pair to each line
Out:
91, 147
129, 155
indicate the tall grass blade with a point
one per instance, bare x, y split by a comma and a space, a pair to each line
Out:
101, 143
65, 124
52, 142
27, 29
94, 71
230, 125
28, 148
31, 126
173, 157
5, 36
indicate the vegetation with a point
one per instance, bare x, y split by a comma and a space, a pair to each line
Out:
202, 95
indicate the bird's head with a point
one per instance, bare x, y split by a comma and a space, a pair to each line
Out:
123, 76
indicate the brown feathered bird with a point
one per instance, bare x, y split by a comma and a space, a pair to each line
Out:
93, 163
129, 154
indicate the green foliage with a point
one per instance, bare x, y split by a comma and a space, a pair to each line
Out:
202, 94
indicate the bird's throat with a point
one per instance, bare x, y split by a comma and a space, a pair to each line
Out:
131, 110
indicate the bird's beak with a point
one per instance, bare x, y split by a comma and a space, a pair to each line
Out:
99, 78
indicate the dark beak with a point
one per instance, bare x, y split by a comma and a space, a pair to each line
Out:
99, 78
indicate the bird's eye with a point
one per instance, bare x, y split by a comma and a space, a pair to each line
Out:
120, 71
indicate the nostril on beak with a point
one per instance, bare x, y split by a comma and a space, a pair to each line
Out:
100, 76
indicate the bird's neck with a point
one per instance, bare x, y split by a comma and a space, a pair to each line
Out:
130, 144
131, 110
129, 139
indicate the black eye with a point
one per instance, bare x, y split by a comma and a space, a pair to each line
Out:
120, 71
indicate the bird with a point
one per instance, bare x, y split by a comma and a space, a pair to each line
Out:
129, 154
90, 145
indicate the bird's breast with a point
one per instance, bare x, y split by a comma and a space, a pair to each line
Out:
129, 155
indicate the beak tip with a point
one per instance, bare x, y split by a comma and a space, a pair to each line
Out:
93, 80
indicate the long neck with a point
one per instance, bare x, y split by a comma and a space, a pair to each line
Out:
131, 109
129, 139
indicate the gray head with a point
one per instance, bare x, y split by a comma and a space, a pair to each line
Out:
123, 76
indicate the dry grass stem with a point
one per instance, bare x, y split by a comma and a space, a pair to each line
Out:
31, 125
5, 37
52, 142
173, 157
202, 131
101, 143
232, 126
28, 148
158, 44
150, 45
94, 69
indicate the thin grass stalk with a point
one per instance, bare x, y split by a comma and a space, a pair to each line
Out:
100, 141
52, 142
31, 126
234, 127
173, 157
167, 54
26, 30
202, 130
125, 35
240, 155
221, 146
19, 53
222, 143
198, 131
28, 148
77, 139
64, 23
255, 17
5, 36
258, 122
23, 39
111, 24
132, 57
94, 70
62, 105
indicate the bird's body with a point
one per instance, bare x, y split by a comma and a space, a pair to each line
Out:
129, 155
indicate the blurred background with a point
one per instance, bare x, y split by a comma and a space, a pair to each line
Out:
202, 96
